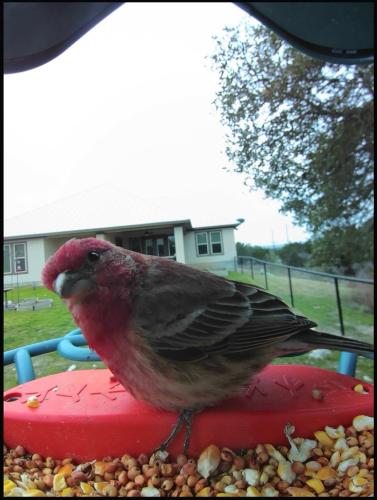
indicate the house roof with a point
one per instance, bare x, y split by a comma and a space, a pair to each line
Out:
106, 208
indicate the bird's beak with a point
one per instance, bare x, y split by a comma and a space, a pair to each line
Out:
73, 284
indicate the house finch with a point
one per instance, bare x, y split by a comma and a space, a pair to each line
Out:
177, 337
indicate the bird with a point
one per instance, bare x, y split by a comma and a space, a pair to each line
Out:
179, 338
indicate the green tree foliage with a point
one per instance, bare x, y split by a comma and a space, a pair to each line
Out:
341, 248
298, 128
256, 251
295, 254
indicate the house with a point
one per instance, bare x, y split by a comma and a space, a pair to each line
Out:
211, 247
132, 222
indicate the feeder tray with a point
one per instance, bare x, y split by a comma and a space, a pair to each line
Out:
88, 415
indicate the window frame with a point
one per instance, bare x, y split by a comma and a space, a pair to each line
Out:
198, 254
216, 242
13, 259
9, 245
171, 243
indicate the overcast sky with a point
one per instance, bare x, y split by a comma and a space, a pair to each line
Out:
130, 106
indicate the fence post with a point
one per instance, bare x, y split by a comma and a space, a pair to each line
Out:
265, 275
241, 265
252, 268
340, 313
290, 285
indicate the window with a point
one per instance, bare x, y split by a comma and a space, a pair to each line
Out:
7, 261
118, 241
154, 245
149, 246
202, 243
160, 247
15, 258
216, 244
209, 243
171, 246
135, 244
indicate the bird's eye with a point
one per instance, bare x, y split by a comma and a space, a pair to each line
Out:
93, 256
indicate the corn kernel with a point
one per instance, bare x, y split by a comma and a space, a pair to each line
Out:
253, 492
335, 433
299, 492
32, 402
316, 484
323, 438
251, 476
343, 466
209, 460
16, 492
150, 491
33, 492
100, 486
86, 488
8, 485
67, 492
363, 423
359, 481
66, 470
285, 472
204, 492
359, 388
362, 458
59, 482
310, 473
326, 473
335, 459
355, 489
341, 445
100, 468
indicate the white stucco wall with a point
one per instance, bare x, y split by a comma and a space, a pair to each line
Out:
219, 262
52, 244
180, 251
35, 261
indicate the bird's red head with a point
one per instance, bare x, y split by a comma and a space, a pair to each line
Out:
71, 257
84, 267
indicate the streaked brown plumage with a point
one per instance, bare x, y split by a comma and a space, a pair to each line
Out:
177, 337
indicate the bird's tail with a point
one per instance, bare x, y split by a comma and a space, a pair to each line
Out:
323, 340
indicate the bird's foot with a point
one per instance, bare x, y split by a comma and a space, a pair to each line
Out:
185, 417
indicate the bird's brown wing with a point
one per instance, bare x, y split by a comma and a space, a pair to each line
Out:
248, 320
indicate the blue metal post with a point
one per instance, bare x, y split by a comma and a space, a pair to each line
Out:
347, 363
24, 366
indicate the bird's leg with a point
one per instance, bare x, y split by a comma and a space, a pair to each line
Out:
188, 419
185, 417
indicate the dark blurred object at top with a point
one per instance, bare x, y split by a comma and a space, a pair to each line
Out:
338, 32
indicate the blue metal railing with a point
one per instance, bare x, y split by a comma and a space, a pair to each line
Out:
69, 346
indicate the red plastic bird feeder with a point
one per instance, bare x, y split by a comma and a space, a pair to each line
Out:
87, 414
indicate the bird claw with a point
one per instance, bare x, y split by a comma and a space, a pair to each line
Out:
185, 417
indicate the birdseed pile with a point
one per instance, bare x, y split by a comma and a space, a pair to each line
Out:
336, 462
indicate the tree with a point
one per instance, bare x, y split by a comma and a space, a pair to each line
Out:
295, 254
341, 248
298, 128
256, 251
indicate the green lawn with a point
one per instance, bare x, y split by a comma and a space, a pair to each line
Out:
314, 299
27, 327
